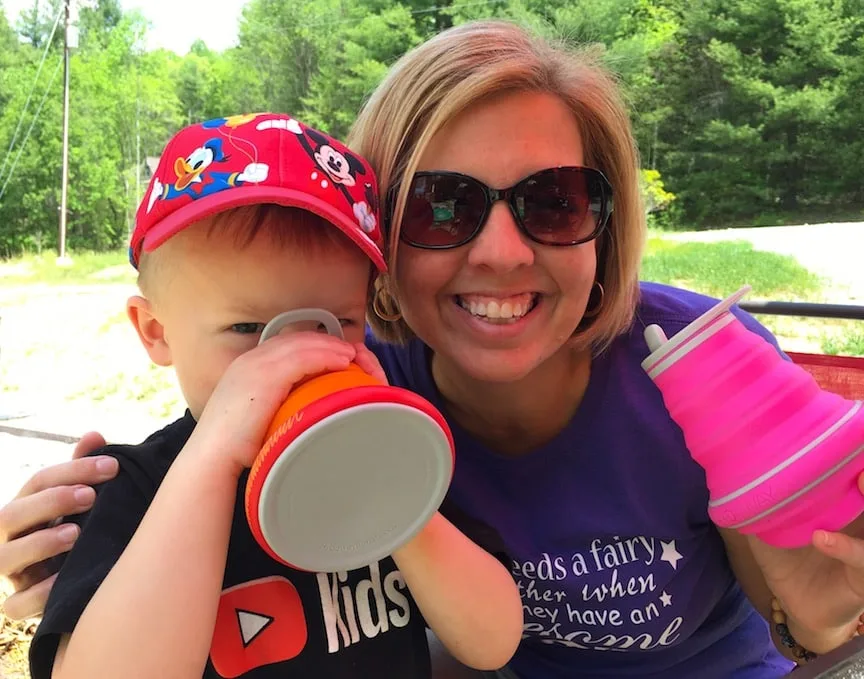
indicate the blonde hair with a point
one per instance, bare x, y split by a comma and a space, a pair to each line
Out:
436, 81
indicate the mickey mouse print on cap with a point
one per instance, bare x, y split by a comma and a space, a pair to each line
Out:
257, 158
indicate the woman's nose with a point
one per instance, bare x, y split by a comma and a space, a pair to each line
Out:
501, 245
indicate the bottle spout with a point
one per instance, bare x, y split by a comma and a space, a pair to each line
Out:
655, 337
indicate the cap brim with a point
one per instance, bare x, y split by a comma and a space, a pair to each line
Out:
256, 195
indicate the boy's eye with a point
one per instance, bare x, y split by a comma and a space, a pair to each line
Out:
342, 321
247, 328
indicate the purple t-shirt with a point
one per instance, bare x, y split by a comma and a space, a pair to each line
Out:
606, 528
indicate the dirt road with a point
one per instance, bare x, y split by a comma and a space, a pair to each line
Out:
832, 250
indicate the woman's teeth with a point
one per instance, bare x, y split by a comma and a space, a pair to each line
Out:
497, 310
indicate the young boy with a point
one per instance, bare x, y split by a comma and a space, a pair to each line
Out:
247, 217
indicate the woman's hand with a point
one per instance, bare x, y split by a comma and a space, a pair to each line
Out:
820, 587
30, 535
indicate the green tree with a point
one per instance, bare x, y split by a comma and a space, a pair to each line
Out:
755, 86
351, 64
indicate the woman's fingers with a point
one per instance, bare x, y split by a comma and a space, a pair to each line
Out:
30, 512
29, 602
91, 441
85, 471
844, 548
24, 552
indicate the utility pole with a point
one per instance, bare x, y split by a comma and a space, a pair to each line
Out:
137, 138
130, 221
61, 243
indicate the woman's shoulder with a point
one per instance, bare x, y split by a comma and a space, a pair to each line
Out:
674, 308
404, 364
385, 351
659, 302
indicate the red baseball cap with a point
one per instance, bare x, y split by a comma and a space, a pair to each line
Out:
252, 159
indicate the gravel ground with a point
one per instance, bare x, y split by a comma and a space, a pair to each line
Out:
61, 350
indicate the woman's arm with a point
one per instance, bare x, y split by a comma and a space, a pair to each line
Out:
29, 541
468, 598
752, 582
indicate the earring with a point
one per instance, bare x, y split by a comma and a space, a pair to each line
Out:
384, 304
594, 309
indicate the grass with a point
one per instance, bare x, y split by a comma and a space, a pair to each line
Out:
716, 269
719, 269
848, 343
86, 268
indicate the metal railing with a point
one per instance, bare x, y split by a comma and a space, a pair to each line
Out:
847, 662
850, 312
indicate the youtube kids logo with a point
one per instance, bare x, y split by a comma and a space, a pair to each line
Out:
257, 623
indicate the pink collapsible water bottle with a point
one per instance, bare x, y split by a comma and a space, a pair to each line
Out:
781, 455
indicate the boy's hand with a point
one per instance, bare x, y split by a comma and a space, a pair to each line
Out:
368, 362
253, 388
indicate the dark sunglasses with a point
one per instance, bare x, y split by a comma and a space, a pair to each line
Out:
556, 206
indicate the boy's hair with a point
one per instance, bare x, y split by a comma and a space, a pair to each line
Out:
285, 227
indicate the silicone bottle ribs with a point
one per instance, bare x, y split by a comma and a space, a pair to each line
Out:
781, 455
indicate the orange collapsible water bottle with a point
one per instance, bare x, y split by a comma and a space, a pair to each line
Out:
350, 470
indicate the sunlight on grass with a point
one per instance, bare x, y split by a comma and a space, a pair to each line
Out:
113, 321
816, 335
849, 342
86, 268
719, 269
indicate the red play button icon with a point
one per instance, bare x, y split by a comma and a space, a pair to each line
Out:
257, 623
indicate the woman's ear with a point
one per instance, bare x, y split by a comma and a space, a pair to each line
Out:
150, 330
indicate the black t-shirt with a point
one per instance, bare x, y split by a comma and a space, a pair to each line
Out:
272, 621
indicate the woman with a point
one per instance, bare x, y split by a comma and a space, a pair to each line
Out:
514, 305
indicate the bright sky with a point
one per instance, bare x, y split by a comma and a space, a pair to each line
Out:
175, 24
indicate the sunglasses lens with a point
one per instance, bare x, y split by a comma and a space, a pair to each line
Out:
442, 210
560, 206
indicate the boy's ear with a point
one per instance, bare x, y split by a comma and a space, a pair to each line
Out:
150, 331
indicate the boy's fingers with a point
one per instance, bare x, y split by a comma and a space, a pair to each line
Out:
369, 363
300, 340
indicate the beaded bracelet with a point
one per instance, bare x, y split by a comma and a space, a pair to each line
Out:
801, 654
778, 615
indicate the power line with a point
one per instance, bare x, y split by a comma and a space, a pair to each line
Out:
30, 129
32, 89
